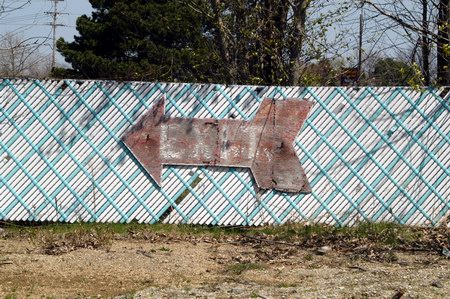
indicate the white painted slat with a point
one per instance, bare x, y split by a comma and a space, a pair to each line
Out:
126, 178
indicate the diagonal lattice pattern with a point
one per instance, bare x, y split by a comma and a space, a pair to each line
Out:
371, 154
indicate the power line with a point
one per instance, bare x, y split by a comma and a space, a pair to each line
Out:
29, 17
54, 24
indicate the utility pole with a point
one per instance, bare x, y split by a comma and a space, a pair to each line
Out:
54, 15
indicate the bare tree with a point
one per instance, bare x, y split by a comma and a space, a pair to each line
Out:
425, 43
21, 57
299, 9
443, 43
425, 23
269, 41
7, 6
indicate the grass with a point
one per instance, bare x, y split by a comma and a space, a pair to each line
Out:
59, 242
98, 235
386, 233
237, 269
390, 234
308, 257
286, 285
118, 229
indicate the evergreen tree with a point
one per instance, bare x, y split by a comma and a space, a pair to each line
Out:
391, 72
147, 40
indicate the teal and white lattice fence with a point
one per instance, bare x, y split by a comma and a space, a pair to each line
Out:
376, 154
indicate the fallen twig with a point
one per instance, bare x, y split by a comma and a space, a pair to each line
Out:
271, 241
6, 262
144, 253
358, 268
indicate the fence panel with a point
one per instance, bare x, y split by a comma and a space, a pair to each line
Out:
371, 154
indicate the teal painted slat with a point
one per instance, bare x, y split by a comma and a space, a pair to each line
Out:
323, 141
81, 166
371, 191
400, 156
45, 138
385, 173
239, 202
415, 173
231, 201
196, 196
28, 123
110, 165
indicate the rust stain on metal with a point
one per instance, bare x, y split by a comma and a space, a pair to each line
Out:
263, 144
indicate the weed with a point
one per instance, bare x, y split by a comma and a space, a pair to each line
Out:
51, 236
129, 295
54, 243
308, 257
286, 285
240, 268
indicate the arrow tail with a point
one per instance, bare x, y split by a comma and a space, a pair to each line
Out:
276, 164
144, 140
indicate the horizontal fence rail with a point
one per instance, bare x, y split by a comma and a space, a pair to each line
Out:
371, 154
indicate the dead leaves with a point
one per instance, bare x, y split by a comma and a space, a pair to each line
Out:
55, 243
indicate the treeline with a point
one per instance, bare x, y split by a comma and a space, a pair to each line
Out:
231, 42
258, 42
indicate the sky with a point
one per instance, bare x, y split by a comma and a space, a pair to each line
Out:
33, 21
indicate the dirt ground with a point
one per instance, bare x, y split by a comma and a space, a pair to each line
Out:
210, 268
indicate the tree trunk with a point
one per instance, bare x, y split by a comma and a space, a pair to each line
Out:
222, 40
274, 28
443, 59
298, 36
425, 44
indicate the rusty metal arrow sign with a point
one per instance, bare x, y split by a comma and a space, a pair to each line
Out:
263, 144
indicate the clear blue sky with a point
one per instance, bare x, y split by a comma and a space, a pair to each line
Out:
33, 21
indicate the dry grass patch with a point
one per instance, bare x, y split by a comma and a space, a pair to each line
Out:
56, 243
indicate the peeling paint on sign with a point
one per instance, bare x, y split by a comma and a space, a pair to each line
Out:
263, 144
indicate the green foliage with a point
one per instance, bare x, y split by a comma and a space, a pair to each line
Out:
59, 72
416, 79
321, 73
231, 41
140, 40
269, 42
102, 233
239, 268
446, 49
391, 72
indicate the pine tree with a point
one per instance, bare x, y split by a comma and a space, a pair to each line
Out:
141, 40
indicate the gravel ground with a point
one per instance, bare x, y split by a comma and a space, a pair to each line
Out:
207, 268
